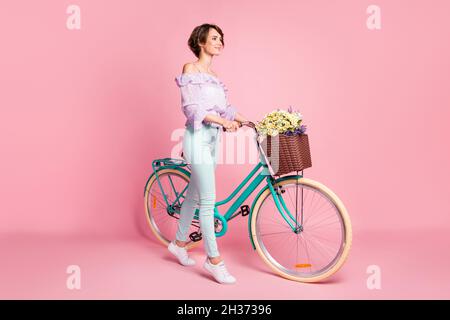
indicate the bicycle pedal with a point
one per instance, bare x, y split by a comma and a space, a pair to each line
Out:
245, 210
195, 236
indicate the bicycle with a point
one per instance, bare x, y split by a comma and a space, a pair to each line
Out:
296, 239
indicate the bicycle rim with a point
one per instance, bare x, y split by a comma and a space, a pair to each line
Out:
317, 248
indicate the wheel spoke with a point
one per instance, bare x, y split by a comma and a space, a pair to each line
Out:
164, 224
275, 233
316, 214
320, 225
327, 252
311, 251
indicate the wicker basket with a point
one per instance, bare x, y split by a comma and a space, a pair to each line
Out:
294, 153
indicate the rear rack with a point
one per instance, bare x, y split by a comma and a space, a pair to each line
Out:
166, 163
174, 162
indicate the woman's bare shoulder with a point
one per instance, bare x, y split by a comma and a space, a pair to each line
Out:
189, 68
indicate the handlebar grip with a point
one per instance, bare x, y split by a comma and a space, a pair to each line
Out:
245, 123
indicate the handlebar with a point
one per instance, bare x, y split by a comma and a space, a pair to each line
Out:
245, 123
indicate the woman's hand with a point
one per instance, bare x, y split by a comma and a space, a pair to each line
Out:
231, 126
240, 118
238, 124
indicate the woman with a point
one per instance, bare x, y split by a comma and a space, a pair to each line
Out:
204, 103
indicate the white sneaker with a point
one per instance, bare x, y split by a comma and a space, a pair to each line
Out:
181, 254
219, 272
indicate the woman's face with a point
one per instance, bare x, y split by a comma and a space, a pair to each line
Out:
213, 45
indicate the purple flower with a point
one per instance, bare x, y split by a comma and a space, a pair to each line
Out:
297, 131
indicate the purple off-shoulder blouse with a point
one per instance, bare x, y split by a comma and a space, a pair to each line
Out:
202, 94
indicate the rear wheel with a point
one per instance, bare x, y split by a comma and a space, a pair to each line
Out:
163, 220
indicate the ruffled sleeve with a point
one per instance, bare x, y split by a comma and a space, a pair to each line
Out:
192, 100
229, 113
192, 104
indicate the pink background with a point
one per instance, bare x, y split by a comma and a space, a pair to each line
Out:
84, 112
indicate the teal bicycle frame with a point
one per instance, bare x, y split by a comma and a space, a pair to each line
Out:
258, 177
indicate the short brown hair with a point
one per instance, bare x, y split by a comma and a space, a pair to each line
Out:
199, 35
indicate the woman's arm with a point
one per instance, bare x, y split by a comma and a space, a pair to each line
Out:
227, 124
215, 119
240, 118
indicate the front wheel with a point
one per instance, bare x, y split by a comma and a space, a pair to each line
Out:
319, 242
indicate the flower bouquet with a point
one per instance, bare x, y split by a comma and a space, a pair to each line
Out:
281, 122
284, 141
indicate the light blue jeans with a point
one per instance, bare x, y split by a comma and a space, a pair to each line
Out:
200, 149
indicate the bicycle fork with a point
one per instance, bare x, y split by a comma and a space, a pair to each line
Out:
293, 222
